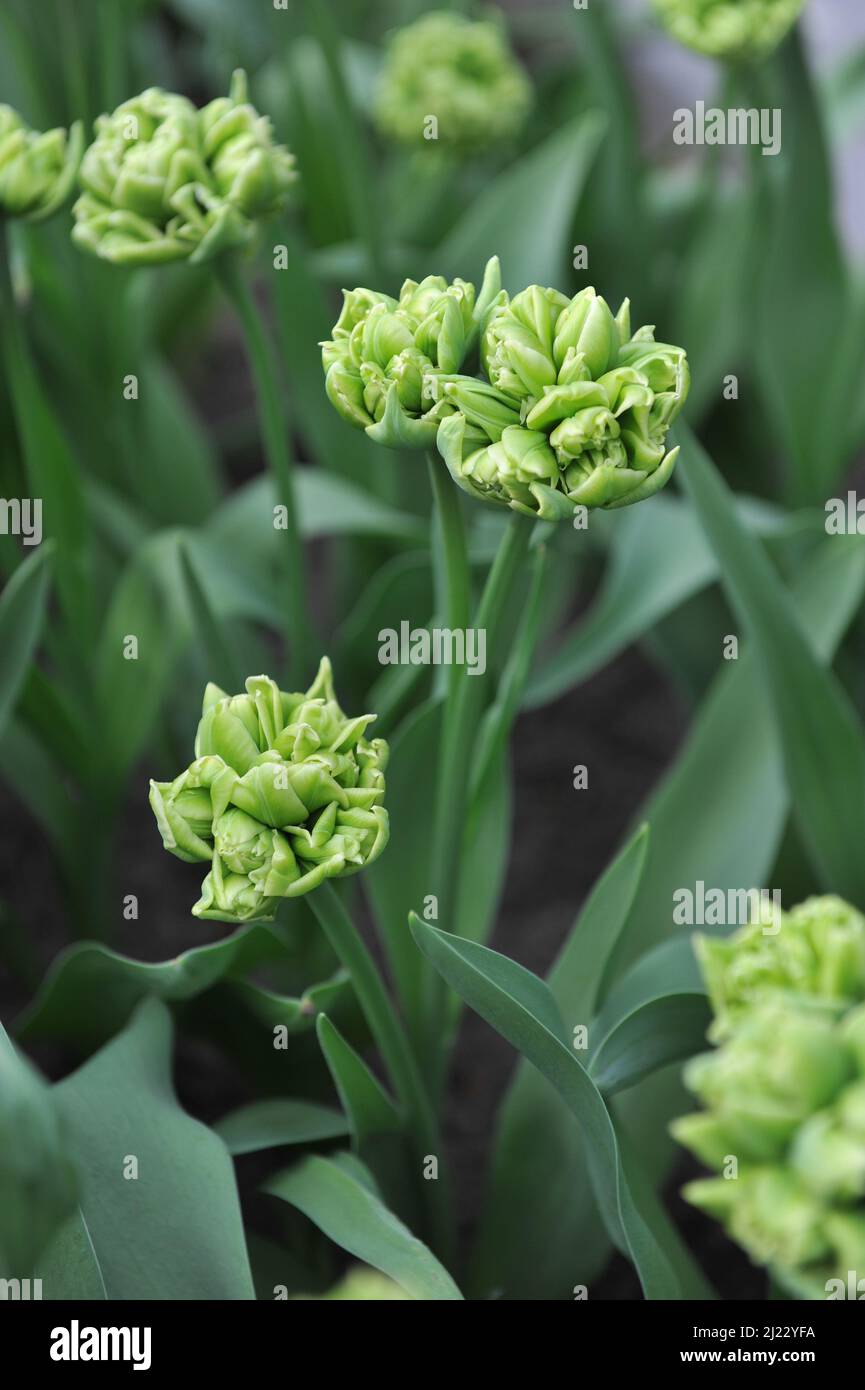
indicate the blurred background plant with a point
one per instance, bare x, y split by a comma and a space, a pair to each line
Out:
136, 427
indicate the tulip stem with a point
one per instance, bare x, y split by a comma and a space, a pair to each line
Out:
456, 585
277, 448
395, 1051
460, 731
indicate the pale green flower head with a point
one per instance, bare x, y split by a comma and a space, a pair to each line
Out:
784, 1095
576, 412
37, 170
284, 792
385, 354
460, 72
731, 29
164, 181
818, 951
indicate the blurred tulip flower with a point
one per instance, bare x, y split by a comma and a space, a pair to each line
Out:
817, 951
733, 29
784, 1095
284, 792
457, 72
578, 410
385, 354
164, 181
37, 171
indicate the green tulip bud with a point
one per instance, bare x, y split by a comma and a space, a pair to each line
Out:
285, 791
37, 171
382, 363
163, 181
458, 72
732, 29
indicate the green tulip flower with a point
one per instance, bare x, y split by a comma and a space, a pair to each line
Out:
37, 171
460, 72
385, 354
784, 1095
733, 29
818, 950
577, 410
164, 181
285, 791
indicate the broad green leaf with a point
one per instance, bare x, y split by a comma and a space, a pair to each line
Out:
181, 483
22, 612
268, 1124
344, 1204
173, 1231
69, 1269
377, 1128
735, 839
37, 1179
658, 558
821, 737
369, 1109
792, 308
327, 506
539, 1230
656, 1015
499, 991
524, 217
90, 991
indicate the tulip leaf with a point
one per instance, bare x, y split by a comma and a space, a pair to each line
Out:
369, 1109
821, 737
499, 991
506, 219
342, 1200
658, 559
538, 1211
22, 613
158, 1189
268, 1124
656, 1015
90, 990
37, 1180
69, 1268
734, 841
800, 231
181, 483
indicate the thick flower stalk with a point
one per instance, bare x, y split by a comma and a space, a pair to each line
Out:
285, 791
575, 412
730, 29
385, 355
457, 71
164, 181
37, 170
784, 1095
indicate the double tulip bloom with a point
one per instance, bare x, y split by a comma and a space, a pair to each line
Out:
385, 355
37, 171
785, 1094
459, 71
730, 29
164, 181
575, 412
285, 791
